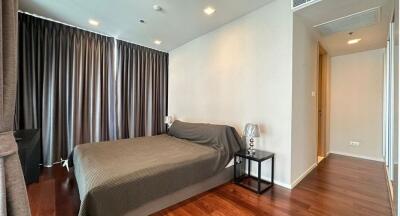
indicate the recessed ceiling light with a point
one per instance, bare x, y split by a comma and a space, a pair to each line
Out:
93, 22
209, 10
354, 41
158, 42
157, 8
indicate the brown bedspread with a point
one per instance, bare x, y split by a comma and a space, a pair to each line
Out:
116, 177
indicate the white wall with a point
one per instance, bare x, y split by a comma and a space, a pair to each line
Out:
356, 103
240, 73
304, 114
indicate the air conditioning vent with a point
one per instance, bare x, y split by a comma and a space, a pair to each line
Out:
298, 4
350, 23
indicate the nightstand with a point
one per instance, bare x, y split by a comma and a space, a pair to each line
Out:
256, 184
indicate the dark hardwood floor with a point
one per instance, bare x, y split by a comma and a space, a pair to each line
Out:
338, 186
56, 193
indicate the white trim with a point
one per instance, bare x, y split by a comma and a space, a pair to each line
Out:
357, 156
282, 184
285, 185
392, 102
386, 106
302, 176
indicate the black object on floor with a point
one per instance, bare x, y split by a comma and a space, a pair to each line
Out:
29, 153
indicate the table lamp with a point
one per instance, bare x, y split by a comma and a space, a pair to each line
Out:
251, 131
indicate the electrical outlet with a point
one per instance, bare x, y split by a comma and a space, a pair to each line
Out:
354, 143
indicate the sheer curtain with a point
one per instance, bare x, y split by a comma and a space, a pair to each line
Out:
69, 89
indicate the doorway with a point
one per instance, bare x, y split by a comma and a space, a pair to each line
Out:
323, 108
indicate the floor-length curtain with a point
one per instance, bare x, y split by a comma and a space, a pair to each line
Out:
142, 79
13, 196
65, 85
68, 87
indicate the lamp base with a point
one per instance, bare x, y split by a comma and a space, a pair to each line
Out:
251, 149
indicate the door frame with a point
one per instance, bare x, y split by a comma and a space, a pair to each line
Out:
322, 86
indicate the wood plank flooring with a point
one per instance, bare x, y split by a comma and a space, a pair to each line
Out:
338, 186
56, 193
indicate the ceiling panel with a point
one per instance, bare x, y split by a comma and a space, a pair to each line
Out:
334, 19
348, 23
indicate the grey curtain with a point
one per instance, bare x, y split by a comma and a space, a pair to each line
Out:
69, 88
65, 85
13, 196
142, 79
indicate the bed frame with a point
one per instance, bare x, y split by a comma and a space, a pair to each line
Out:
153, 206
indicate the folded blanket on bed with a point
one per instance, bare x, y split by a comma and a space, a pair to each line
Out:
223, 138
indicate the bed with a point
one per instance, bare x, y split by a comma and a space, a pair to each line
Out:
142, 175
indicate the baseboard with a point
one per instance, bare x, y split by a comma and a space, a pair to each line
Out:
357, 156
302, 176
277, 182
287, 186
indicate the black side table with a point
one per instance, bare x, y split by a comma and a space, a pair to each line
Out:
255, 184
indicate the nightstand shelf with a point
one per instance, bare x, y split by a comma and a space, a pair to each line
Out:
256, 184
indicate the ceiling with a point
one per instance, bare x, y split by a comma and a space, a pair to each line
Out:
180, 21
373, 36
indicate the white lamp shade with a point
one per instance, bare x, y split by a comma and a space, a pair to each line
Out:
252, 130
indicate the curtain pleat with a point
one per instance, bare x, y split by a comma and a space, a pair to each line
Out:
68, 87
13, 196
63, 85
142, 76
